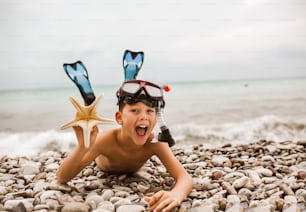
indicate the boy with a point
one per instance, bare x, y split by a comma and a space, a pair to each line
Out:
126, 149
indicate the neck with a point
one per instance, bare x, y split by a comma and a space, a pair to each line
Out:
126, 143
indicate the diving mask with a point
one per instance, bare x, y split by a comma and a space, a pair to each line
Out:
132, 91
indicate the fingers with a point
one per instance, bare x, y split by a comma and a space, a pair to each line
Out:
172, 204
80, 136
154, 199
78, 132
93, 134
161, 201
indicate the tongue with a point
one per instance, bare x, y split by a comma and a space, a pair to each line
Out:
141, 131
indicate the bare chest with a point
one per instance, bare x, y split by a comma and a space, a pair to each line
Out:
121, 162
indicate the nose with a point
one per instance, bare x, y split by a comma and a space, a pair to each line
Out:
143, 116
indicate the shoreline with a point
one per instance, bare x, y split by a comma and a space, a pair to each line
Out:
260, 176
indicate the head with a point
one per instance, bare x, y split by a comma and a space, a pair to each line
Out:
138, 102
137, 121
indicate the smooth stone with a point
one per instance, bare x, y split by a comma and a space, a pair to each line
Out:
287, 190
3, 190
201, 184
268, 180
301, 192
53, 204
64, 199
52, 167
60, 187
233, 203
239, 183
123, 188
122, 202
204, 208
233, 175
131, 208
105, 206
88, 172
11, 204
290, 204
19, 208
196, 203
39, 186
245, 192
264, 172
301, 175
40, 207
107, 194
142, 188
75, 207
254, 177
229, 188
94, 200
29, 169
268, 158
219, 160
217, 175
122, 194
50, 194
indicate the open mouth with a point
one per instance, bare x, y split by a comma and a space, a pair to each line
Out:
141, 130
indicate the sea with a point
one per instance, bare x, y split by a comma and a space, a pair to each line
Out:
212, 113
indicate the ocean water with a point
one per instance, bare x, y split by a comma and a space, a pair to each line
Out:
211, 113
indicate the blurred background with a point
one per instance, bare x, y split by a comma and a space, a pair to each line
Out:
237, 68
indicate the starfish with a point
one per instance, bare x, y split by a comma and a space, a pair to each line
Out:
86, 117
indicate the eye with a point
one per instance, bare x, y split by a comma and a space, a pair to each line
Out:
134, 110
151, 111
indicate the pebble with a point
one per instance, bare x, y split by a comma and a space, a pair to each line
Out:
131, 208
239, 183
75, 207
261, 176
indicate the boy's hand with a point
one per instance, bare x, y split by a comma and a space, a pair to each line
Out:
79, 134
163, 201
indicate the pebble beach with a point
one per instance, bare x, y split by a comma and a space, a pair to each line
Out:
261, 176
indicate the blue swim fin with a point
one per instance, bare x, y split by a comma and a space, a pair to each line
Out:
132, 62
78, 74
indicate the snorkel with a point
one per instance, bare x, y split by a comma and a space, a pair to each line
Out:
133, 90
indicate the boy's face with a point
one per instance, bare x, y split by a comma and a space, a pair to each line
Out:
138, 121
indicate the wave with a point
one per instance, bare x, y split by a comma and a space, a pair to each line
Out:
268, 127
32, 143
211, 135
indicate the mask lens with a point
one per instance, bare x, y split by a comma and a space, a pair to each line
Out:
153, 91
131, 88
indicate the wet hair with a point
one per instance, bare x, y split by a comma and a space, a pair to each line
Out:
132, 101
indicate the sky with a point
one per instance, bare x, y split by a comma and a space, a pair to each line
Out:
182, 40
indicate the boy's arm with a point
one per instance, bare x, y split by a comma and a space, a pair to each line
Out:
167, 200
79, 158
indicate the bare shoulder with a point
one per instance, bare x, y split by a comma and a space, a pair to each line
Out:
159, 148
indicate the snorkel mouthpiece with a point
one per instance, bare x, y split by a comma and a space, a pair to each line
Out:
165, 134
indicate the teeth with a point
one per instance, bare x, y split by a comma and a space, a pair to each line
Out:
142, 126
